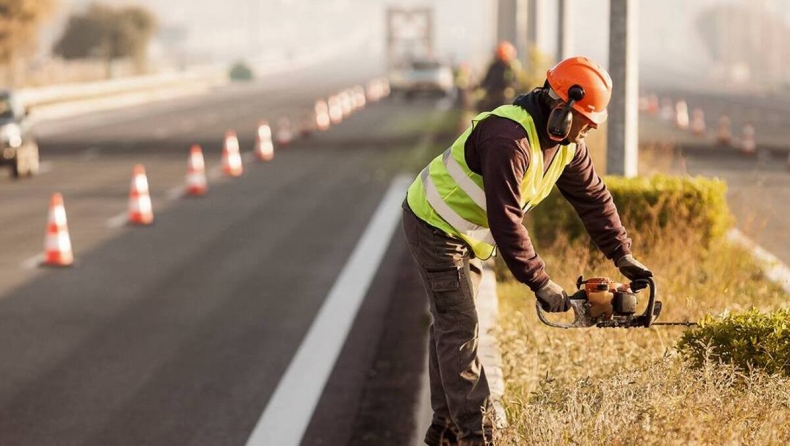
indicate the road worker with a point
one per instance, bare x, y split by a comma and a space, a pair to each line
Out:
470, 202
501, 79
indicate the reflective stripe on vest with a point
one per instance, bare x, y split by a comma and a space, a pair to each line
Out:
469, 229
475, 192
450, 196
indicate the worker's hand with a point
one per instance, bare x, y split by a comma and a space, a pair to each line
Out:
631, 268
552, 298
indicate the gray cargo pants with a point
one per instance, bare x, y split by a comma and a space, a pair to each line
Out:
459, 389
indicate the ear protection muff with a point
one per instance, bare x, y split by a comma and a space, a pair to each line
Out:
560, 119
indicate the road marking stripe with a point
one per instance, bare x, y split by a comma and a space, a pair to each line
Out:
45, 167
174, 193
291, 407
773, 268
117, 221
33, 262
91, 153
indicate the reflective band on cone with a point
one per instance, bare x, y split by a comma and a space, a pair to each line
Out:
322, 119
140, 209
196, 172
57, 243
335, 110
231, 158
264, 149
681, 115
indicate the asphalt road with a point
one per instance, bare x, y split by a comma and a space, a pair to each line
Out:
179, 333
758, 185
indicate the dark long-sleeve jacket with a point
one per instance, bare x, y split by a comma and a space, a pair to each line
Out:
498, 149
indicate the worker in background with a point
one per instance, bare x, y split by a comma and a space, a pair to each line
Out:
501, 79
471, 200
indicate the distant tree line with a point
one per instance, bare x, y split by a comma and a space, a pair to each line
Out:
108, 33
19, 22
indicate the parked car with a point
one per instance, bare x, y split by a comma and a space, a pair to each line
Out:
18, 147
428, 76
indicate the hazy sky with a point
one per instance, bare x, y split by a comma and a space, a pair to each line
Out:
669, 44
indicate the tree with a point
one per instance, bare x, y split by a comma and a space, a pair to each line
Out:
108, 33
19, 21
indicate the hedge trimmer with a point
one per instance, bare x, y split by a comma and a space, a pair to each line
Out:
603, 303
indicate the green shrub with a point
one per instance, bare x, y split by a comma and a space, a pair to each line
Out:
751, 340
241, 72
658, 203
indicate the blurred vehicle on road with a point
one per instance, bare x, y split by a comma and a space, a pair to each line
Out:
422, 76
18, 147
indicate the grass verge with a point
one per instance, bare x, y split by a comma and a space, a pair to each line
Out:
623, 387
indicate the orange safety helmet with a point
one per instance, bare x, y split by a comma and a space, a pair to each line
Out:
591, 77
505, 51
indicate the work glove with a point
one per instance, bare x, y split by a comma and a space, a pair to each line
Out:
552, 298
631, 268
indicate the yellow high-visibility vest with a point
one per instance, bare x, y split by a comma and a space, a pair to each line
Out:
449, 196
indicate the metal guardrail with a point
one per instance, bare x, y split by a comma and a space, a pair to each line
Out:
42, 96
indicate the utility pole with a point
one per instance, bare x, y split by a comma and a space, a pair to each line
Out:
506, 23
623, 128
522, 18
564, 30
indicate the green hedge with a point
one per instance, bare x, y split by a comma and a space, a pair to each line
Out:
660, 202
240, 71
751, 340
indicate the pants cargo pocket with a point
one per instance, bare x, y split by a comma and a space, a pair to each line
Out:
448, 290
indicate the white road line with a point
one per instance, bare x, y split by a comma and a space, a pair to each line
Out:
90, 153
773, 268
174, 193
162, 133
291, 406
33, 262
45, 167
117, 221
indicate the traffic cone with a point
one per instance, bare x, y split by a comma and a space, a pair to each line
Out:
231, 158
284, 132
140, 209
57, 244
322, 119
359, 95
748, 145
345, 104
264, 149
196, 173
724, 133
652, 104
372, 91
698, 122
681, 115
335, 110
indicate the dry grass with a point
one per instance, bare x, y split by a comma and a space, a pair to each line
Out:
623, 387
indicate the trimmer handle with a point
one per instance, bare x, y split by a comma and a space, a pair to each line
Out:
649, 314
581, 318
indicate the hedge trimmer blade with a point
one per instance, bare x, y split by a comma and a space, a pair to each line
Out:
684, 323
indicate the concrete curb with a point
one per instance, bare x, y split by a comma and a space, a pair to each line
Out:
774, 269
488, 316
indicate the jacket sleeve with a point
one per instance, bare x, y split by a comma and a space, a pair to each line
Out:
503, 163
587, 193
